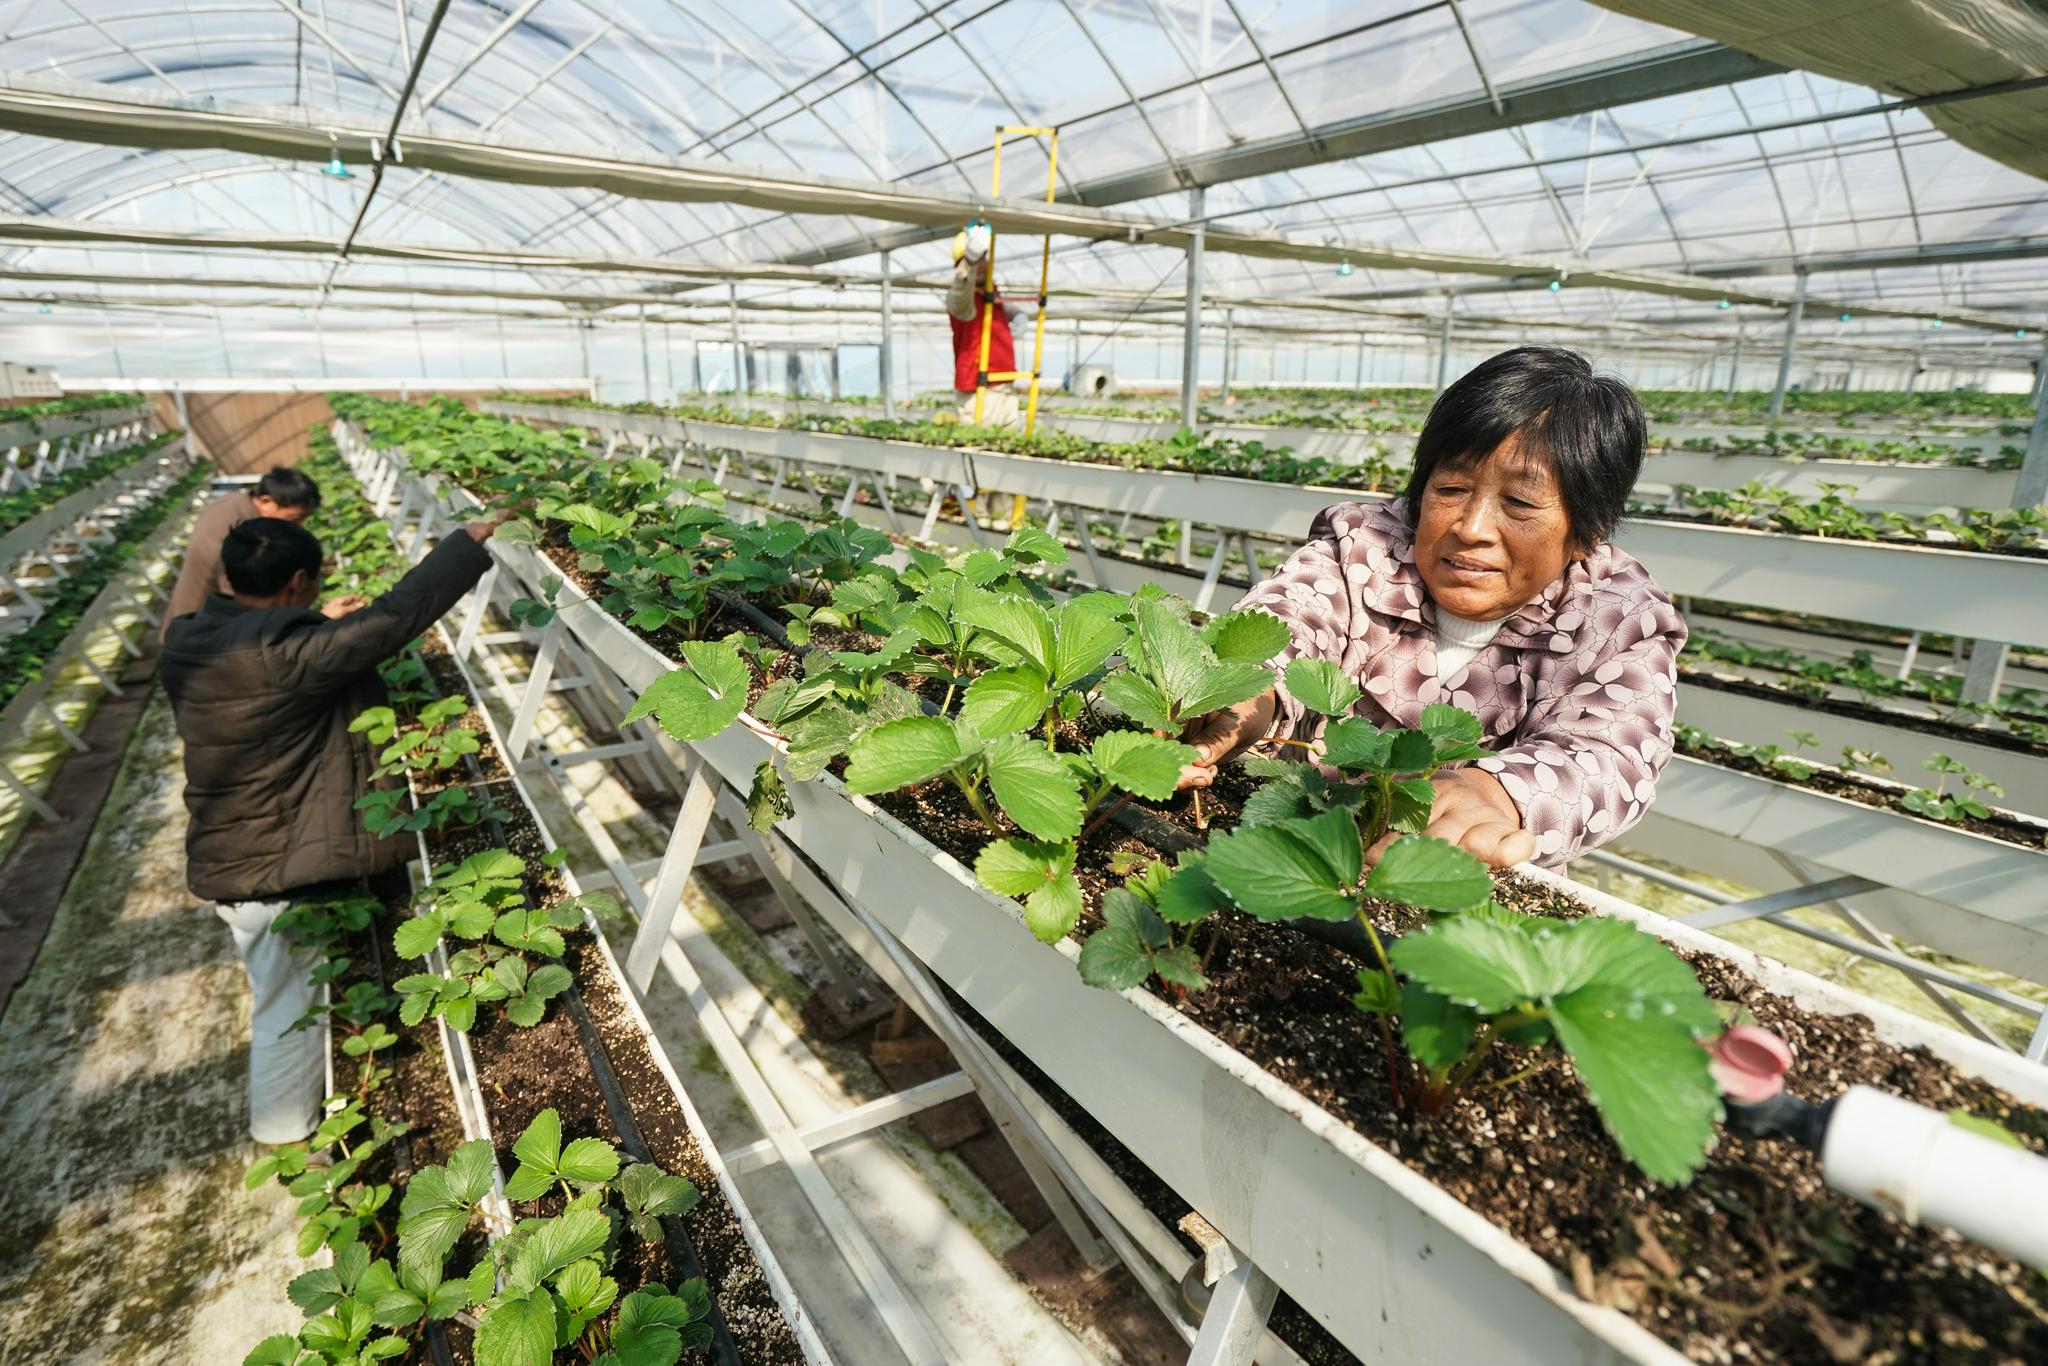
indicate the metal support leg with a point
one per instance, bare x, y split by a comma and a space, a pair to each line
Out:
536, 692
676, 862
2037, 1047
1018, 1131
965, 492
1986, 672
1912, 653
28, 796
101, 674
71, 737
1086, 536
852, 990
473, 612
931, 513
1236, 1318
1208, 589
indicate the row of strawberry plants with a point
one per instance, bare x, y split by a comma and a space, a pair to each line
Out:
22, 504
1859, 777
1997, 530
26, 652
70, 406
541, 1286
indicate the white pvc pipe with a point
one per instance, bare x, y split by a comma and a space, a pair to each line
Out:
1922, 1166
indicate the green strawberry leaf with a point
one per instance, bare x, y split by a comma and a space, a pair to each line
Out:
1146, 765
1037, 790
1431, 873
1041, 873
1322, 686
904, 753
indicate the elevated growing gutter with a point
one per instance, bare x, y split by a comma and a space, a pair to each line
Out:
27, 433
1964, 893
1314, 1204
1732, 715
1955, 592
58, 518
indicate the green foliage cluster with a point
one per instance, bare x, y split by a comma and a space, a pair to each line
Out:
542, 1285
71, 405
2024, 711
499, 949
17, 507
1935, 804
26, 652
1833, 515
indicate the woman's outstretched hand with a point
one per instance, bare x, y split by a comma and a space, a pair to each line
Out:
1473, 811
1225, 734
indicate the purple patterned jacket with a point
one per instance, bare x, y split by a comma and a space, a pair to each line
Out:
1575, 693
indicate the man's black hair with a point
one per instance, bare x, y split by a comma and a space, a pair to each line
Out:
287, 488
261, 555
1591, 428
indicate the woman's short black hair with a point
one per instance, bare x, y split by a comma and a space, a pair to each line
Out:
288, 488
261, 554
1591, 428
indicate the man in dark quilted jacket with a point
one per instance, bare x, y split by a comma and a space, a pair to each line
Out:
264, 689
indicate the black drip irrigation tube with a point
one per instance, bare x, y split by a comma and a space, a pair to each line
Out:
682, 1252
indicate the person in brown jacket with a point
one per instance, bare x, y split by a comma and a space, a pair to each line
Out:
264, 689
282, 493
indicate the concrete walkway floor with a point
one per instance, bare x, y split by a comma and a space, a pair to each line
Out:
125, 1234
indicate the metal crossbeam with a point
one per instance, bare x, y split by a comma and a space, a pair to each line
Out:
1791, 898
854, 1123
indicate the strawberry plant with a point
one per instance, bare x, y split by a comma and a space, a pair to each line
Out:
1626, 1010
1938, 806
481, 901
544, 1286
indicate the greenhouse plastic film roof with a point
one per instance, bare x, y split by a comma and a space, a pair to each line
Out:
1502, 146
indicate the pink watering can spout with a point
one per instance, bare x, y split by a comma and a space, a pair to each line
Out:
1749, 1063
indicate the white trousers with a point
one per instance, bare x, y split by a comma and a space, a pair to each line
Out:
287, 1072
998, 406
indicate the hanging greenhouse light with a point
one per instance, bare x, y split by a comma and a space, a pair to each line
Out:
1343, 267
2019, 332
1556, 285
1937, 323
1845, 316
337, 168
1724, 304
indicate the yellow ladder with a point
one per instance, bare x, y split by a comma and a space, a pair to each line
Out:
988, 297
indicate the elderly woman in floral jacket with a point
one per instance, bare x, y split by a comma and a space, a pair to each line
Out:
1491, 585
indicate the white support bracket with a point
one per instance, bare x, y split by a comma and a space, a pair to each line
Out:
1238, 1308
28, 795
862, 1119
677, 861
536, 691
1790, 899
473, 611
1207, 592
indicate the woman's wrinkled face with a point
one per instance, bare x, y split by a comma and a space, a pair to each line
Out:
1491, 536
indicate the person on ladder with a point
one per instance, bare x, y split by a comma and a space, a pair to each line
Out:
965, 299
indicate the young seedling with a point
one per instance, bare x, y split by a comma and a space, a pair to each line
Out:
1177, 673
1625, 1009
1147, 934
1938, 806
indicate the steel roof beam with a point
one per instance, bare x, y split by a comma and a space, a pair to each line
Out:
1674, 70
83, 113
